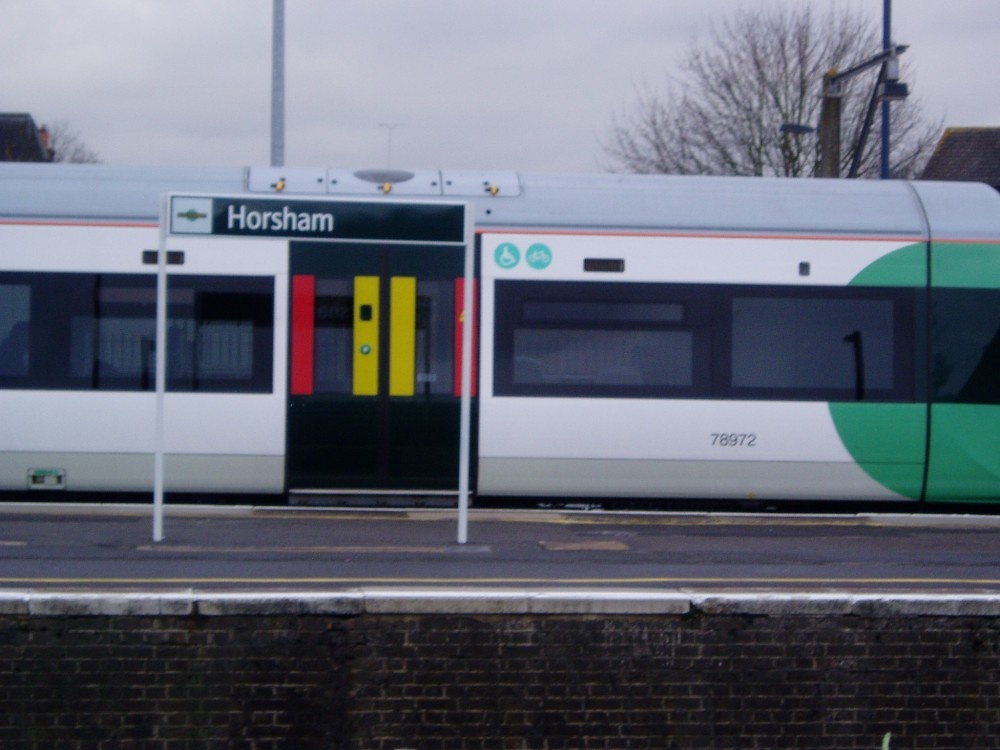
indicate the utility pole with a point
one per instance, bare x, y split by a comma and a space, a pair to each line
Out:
829, 126
278, 84
886, 44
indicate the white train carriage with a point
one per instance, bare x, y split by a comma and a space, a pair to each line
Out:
77, 361
641, 337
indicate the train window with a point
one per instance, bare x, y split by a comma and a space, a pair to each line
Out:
77, 331
821, 344
602, 312
334, 321
433, 344
698, 341
15, 310
612, 340
220, 334
112, 345
965, 345
602, 357
829, 348
435, 341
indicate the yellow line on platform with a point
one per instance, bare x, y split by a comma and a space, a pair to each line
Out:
589, 546
558, 519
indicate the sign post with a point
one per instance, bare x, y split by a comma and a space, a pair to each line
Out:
465, 419
161, 370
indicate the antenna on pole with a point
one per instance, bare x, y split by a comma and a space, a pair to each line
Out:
278, 85
389, 127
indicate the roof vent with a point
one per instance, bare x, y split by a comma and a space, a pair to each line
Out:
396, 181
381, 176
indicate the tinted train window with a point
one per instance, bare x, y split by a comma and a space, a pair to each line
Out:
220, 334
965, 345
826, 347
435, 341
583, 311
77, 331
113, 345
334, 320
602, 357
697, 341
433, 344
580, 339
15, 314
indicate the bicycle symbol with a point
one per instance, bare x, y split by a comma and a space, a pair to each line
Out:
538, 256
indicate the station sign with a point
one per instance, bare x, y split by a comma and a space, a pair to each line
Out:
345, 220
403, 222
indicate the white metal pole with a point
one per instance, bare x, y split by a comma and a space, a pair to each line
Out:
465, 419
278, 84
161, 369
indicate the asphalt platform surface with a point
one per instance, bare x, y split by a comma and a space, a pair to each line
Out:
46, 547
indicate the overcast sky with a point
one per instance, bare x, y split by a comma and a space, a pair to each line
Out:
530, 85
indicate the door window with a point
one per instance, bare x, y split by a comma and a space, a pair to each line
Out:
347, 357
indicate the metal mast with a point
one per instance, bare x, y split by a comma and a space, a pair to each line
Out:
278, 85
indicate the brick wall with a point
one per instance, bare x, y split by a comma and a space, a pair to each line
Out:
715, 673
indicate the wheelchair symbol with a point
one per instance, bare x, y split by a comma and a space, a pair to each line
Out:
507, 255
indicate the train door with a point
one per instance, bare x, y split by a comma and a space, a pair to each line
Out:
964, 464
374, 398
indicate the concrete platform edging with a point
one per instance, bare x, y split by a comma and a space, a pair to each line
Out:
491, 602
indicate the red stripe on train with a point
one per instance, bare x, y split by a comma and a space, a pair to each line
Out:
303, 335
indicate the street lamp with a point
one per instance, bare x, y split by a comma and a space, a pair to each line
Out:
887, 88
789, 129
796, 128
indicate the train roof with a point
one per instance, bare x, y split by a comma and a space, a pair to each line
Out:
602, 202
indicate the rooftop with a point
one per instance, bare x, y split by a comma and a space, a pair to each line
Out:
966, 155
21, 139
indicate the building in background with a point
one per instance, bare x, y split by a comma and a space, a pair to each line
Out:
966, 155
22, 140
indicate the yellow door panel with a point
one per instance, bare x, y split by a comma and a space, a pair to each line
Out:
366, 343
402, 335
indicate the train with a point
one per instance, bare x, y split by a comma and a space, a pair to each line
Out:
636, 337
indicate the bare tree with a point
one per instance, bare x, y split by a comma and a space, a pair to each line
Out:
66, 145
764, 68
